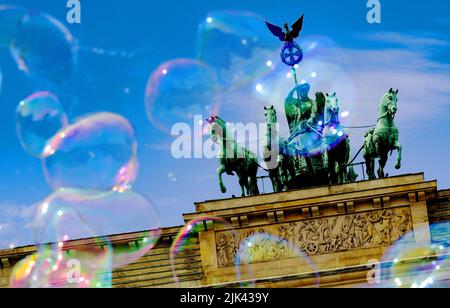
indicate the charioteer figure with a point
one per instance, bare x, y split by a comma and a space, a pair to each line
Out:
298, 106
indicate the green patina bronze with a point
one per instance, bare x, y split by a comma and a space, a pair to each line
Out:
383, 139
317, 119
284, 170
234, 159
338, 155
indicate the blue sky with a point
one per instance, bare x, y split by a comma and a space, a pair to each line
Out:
409, 50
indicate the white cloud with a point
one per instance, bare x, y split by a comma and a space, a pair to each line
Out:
15, 222
407, 40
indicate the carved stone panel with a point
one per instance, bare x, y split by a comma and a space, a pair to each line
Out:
378, 228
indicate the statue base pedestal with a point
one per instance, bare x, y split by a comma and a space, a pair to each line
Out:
326, 236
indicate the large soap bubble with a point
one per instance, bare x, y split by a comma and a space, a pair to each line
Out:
259, 247
411, 263
185, 259
44, 47
238, 46
38, 118
10, 21
179, 90
57, 266
70, 214
98, 151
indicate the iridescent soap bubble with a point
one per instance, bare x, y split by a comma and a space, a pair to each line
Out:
57, 266
98, 151
38, 118
260, 247
70, 214
44, 47
238, 46
184, 252
412, 263
179, 90
10, 21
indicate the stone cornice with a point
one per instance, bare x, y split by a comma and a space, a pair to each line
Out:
318, 197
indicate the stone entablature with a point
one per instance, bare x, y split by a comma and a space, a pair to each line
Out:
337, 226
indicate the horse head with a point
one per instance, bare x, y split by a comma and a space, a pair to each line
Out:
217, 128
270, 114
332, 104
388, 106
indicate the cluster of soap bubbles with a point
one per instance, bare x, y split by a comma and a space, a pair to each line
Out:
181, 88
40, 45
91, 165
411, 262
58, 267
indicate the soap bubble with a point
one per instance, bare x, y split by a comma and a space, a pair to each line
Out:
259, 247
10, 21
185, 260
87, 266
38, 118
44, 47
178, 90
71, 214
412, 264
98, 151
238, 46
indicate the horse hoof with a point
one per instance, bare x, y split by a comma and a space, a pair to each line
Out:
398, 166
223, 189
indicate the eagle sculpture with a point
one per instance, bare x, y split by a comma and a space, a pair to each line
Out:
289, 35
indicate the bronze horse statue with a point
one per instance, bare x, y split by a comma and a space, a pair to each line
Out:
283, 170
234, 159
337, 142
383, 139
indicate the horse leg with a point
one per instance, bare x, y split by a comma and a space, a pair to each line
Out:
399, 148
252, 179
382, 152
332, 167
253, 182
343, 172
309, 163
221, 170
370, 165
276, 175
283, 170
382, 163
344, 162
273, 179
243, 185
